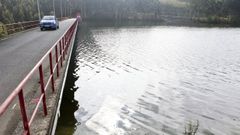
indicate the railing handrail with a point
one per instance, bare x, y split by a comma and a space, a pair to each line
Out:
63, 43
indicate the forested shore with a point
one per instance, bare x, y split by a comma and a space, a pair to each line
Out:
204, 11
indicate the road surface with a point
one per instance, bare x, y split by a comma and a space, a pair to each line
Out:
21, 52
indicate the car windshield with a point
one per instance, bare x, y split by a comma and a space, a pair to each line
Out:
48, 18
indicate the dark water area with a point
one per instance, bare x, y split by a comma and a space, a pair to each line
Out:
152, 79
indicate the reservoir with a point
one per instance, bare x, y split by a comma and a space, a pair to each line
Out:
152, 80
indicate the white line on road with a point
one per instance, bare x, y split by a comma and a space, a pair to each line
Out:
14, 106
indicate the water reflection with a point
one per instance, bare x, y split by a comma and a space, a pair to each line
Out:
154, 80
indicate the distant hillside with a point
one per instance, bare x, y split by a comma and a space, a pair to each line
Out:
209, 11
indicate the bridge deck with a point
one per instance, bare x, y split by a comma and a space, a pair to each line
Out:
20, 53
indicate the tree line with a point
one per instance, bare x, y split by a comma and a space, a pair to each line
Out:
24, 10
215, 10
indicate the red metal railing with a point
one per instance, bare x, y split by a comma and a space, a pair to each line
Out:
59, 49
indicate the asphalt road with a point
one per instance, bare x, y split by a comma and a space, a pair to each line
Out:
20, 53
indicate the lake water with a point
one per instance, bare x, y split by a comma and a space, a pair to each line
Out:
153, 80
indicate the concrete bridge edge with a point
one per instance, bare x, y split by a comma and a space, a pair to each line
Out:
56, 111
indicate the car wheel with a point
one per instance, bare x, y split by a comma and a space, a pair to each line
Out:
41, 29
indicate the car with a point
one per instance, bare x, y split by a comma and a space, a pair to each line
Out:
49, 22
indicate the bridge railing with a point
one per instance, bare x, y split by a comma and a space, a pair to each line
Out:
55, 58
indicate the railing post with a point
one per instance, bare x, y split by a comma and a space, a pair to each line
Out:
69, 32
23, 112
42, 89
60, 44
65, 39
56, 53
68, 43
63, 47
67, 36
63, 44
51, 71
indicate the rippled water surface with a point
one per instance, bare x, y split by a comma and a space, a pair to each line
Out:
153, 80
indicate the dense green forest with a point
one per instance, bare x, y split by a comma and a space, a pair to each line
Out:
200, 10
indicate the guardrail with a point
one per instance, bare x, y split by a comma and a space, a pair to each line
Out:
16, 27
11, 28
59, 49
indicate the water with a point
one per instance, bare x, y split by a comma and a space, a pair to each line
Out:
153, 80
